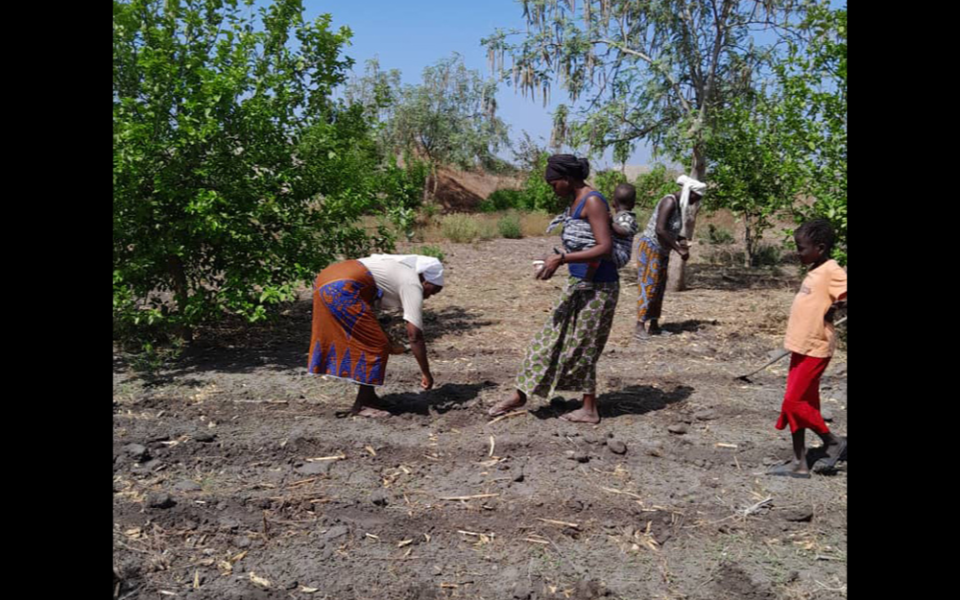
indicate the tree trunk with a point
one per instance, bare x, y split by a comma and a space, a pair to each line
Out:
432, 174
426, 188
676, 270
180, 294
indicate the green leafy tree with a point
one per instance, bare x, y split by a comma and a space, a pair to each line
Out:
770, 150
536, 193
645, 71
607, 181
234, 175
813, 81
377, 91
449, 119
654, 185
753, 171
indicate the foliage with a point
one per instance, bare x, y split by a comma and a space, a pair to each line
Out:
503, 199
607, 181
509, 227
433, 251
450, 118
235, 176
654, 185
813, 81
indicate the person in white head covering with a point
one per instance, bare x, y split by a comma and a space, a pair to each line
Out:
665, 231
347, 341
428, 266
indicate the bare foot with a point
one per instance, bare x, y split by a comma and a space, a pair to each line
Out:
640, 333
581, 416
505, 406
369, 411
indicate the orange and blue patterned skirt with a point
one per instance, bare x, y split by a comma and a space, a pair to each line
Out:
346, 339
651, 279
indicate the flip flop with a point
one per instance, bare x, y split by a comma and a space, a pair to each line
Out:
785, 471
831, 463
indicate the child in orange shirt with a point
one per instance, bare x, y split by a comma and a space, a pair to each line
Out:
811, 338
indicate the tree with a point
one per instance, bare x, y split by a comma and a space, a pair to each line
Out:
376, 91
607, 181
449, 119
653, 186
235, 175
754, 171
537, 194
770, 149
813, 103
651, 70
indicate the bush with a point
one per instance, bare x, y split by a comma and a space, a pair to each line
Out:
459, 228
718, 235
509, 226
149, 360
236, 175
766, 255
607, 181
655, 185
502, 200
430, 210
537, 193
487, 230
433, 251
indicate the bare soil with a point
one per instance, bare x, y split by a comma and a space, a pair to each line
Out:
238, 476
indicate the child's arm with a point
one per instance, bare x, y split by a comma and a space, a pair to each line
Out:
839, 305
837, 289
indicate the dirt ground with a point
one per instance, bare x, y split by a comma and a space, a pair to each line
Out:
236, 475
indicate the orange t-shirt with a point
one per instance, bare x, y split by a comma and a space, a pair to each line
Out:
807, 331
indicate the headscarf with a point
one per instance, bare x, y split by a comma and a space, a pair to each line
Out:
428, 266
567, 165
689, 184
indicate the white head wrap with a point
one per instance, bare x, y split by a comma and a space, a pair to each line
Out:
428, 266
688, 183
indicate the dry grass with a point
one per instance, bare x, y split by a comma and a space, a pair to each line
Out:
534, 224
460, 228
464, 227
432, 227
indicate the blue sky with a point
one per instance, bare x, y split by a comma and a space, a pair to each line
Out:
412, 35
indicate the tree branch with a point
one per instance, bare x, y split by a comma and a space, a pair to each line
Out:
650, 61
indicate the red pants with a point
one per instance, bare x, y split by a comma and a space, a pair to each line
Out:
801, 402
